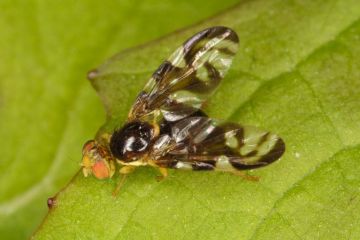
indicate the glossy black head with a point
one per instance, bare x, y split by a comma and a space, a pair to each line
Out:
131, 141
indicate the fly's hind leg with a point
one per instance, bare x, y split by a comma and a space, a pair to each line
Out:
246, 176
164, 174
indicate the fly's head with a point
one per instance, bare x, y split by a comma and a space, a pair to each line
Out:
97, 161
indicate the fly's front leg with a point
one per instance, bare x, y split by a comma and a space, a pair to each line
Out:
124, 171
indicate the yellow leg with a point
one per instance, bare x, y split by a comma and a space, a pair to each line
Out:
164, 174
124, 171
127, 169
246, 176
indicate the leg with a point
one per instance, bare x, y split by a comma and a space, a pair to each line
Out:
246, 176
124, 171
164, 174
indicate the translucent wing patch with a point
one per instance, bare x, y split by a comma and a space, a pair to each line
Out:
183, 82
207, 144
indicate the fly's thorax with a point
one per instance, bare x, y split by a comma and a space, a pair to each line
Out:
97, 160
131, 144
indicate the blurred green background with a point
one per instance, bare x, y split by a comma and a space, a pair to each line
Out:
297, 73
47, 107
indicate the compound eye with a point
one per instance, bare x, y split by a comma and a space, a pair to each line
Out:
132, 140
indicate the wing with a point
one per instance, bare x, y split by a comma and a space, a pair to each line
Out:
182, 83
201, 143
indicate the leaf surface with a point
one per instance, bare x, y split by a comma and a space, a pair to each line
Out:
297, 74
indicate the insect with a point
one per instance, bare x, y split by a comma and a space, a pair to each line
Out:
167, 128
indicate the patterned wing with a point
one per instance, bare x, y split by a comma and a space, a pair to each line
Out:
202, 143
182, 83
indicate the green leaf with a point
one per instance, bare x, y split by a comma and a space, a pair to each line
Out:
297, 74
47, 108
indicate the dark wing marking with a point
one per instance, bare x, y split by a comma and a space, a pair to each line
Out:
201, 143
183, 82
